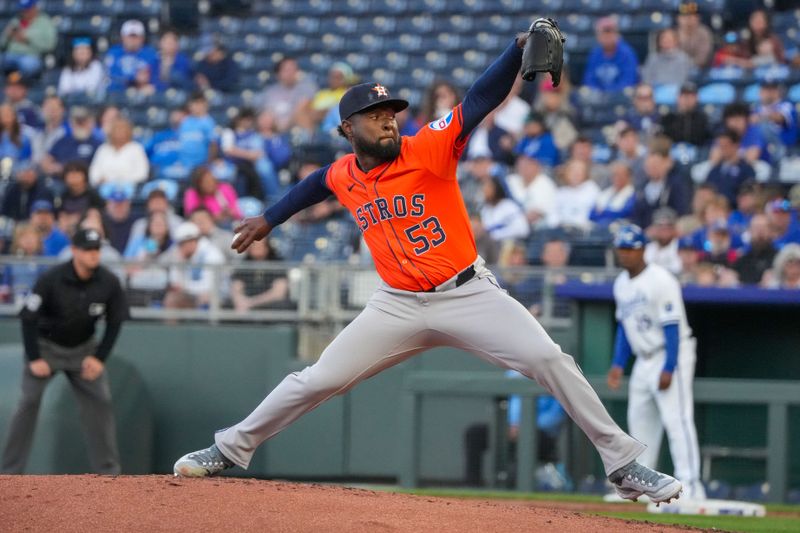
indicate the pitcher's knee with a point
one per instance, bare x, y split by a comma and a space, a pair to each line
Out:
321, 384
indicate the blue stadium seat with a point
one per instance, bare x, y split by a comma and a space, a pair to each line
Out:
576, 23
666, 94
719, 93
727, 73
262, 25
458, 24
772, 72
169, 187
793, 94
250, 206
750, 93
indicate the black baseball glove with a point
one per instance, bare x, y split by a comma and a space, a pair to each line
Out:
544, 50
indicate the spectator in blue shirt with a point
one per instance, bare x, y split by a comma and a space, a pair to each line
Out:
124, 60
753, 145
732, 171
616, 201
776, 118
244, 147
175, 67
164, 149
197, 133
644, 116
79, 143
537, 142
43, 219
217, 70
15, 141
612, 64
783, 222
276, 145
747, 206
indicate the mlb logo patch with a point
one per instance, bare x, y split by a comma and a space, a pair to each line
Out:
668, 307
441, 123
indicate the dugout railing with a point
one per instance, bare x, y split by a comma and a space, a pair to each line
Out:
318, 293
777, 395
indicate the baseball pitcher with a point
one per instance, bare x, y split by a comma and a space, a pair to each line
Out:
436, 291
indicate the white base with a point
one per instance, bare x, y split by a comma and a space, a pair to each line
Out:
709, 507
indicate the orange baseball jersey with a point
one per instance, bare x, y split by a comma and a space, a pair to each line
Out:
410, 210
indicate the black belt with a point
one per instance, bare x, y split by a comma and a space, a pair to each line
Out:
463, 277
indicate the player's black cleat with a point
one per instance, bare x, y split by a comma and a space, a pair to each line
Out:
202, 463
634, 480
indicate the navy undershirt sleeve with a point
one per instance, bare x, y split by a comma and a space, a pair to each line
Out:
491, 88
622, 348
311, 190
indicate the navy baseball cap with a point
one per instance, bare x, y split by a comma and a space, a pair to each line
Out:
87, 239
630, 237
42, 205
27, 4
361, 97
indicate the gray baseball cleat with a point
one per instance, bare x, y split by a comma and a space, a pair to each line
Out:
202, 463
634, 480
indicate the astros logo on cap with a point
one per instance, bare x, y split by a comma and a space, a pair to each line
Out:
381, 90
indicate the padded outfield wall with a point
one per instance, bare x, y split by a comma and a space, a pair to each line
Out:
174, 385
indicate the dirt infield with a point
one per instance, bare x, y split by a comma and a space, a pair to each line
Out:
162, 503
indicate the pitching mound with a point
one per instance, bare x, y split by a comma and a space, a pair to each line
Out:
162, 503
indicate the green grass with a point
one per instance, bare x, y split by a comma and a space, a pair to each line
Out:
749, 524
629, 511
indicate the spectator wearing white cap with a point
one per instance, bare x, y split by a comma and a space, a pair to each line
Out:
124, 60
26, 37
191, 286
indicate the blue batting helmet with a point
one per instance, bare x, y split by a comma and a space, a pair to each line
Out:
630, 236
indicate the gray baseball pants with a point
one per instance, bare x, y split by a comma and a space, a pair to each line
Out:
478, 317
94, 404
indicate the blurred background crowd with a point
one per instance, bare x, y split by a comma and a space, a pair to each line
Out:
160, 124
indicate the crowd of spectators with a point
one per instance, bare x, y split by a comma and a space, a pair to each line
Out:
530, 174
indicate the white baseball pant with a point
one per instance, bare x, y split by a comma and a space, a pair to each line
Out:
478, 317
651, 411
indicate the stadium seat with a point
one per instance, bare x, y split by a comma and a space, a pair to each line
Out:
169, 187
750, 93
666, 94
793, 94
772, 72
727, 73
250, 206
719, 93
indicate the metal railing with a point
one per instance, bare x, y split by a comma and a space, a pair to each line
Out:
332, 293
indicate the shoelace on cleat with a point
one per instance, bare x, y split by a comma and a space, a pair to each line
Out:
644, 475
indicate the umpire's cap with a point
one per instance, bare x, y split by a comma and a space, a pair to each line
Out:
630, 237
361, 97
87, 239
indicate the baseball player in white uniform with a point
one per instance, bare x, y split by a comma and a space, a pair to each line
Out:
436, 290
652, 325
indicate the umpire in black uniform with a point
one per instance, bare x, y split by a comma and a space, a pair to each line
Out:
58, 324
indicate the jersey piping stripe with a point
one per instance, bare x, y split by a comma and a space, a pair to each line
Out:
399, 242
353, 175
694, 461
